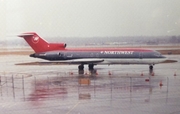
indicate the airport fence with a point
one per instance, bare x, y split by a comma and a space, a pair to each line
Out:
31, 87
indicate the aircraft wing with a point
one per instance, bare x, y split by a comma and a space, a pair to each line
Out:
75, 61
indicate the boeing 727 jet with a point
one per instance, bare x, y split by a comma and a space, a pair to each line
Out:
91, 56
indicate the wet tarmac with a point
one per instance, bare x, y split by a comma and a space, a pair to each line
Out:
114, 89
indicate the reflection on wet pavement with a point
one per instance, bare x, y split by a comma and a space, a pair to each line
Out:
111, 89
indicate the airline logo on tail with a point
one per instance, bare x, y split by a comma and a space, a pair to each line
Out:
35, 39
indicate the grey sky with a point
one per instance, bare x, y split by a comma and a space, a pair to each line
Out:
88, 18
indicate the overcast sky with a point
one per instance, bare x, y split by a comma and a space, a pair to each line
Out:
88, 18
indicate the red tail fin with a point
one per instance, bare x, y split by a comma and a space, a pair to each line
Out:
40, 45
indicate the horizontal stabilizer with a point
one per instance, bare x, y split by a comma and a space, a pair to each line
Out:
24, 35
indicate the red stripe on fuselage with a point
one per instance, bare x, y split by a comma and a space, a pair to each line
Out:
108, 49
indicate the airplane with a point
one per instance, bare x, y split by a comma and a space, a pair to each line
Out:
91, 56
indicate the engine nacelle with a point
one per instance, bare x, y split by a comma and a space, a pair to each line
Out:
63, 45
57, 46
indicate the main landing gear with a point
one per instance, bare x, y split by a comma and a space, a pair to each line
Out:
81, 68
91, 67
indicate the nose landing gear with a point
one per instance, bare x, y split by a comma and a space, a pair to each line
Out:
150, 69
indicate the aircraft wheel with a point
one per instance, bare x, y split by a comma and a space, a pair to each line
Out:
81, 67
91, 66
150, 67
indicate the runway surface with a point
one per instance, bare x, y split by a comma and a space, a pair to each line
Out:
115, 89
